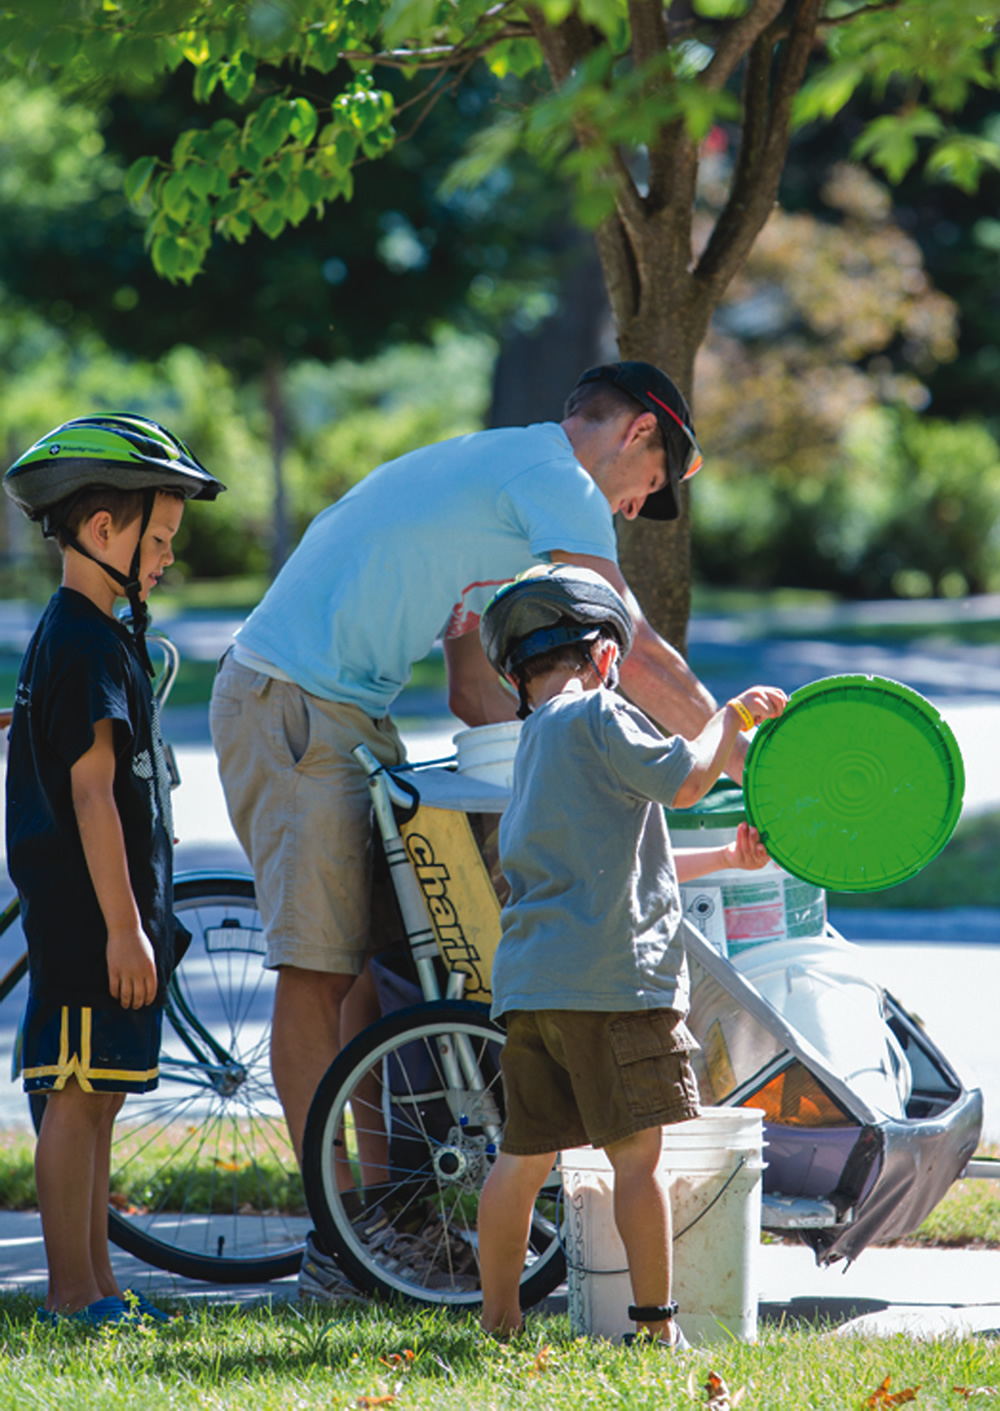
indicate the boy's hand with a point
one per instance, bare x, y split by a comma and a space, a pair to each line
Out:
747, 852
763, 702
131, 969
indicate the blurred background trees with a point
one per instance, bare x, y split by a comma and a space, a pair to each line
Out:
845, 393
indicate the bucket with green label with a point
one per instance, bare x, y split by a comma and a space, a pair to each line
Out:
735, 910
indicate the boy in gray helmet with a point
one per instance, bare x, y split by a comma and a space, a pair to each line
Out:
589, 977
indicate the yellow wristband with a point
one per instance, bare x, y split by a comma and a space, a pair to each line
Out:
744, 714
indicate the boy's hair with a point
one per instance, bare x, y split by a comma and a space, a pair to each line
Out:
602, 401
124, 507
577, 656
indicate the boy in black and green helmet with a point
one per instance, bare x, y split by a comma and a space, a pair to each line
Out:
89, 833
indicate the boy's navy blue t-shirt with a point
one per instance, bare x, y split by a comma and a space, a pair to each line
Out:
81, 667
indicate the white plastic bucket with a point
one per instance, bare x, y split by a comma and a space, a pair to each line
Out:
737, 910
827, 989
487, 752
710, 1168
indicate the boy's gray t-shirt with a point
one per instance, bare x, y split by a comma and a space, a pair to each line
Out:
594, 904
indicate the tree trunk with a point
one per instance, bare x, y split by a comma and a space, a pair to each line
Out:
535, 371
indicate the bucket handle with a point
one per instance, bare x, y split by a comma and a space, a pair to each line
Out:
582, 1269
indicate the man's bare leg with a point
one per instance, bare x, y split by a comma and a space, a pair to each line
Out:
305, 1039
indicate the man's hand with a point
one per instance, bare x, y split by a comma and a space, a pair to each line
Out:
131, 969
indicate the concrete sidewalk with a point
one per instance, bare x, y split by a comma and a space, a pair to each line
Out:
920, 1292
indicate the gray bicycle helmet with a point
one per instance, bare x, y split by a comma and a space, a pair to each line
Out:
118, 449
550, 607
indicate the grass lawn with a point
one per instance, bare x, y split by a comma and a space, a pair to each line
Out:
371, 1358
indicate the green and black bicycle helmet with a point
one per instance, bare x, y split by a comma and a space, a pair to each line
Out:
548, 607
118, 449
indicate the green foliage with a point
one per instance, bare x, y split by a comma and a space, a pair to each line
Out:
908, 506
343, 418
294, 153
352, 416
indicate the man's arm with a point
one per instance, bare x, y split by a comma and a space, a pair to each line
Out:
475, 692
656, 676
131, 963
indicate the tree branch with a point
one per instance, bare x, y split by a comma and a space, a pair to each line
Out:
438, 56
563, 48
762, 154
650, 35
737, 38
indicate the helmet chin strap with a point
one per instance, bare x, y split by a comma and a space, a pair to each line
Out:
130, 583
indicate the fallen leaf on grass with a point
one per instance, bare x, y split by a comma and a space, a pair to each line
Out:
369, 1401
719, 1397
398, 1359
541, 1362
968, 1392
882, 1396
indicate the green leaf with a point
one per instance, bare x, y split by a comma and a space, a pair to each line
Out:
270, 218
721, 9
310, 186
275, 185
514, 56
962, 159
891, 142
138, 177
346, 148
58, 47
407, 19
824, 95
609, 16
304, 121
167, 256
297, 206
202, 179
174, 197
206, 79
235, 227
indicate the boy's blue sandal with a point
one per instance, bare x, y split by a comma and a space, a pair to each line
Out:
95, 1315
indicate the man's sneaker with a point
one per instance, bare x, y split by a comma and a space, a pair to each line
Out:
452, 1258
433, 1256
322, 1279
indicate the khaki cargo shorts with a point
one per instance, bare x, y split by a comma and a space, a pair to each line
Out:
301, 809
573, 1077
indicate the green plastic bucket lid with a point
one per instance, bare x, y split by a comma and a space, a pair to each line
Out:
857, 786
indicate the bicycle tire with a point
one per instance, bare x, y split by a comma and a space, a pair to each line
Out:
441, 1144
221, 1200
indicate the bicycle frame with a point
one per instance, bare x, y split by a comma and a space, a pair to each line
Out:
461, 1069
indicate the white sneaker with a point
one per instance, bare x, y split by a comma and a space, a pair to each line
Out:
322, 1279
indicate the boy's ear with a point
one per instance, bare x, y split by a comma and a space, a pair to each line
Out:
98, 527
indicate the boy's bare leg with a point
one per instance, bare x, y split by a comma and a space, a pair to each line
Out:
642, 1215
65, 1167
505, 1207
100, 1250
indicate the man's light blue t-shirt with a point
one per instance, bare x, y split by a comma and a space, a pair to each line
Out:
415, 551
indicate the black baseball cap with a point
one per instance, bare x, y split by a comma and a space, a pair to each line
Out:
655, 391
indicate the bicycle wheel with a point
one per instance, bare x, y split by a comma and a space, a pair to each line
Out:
391, 1102
204, 1180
